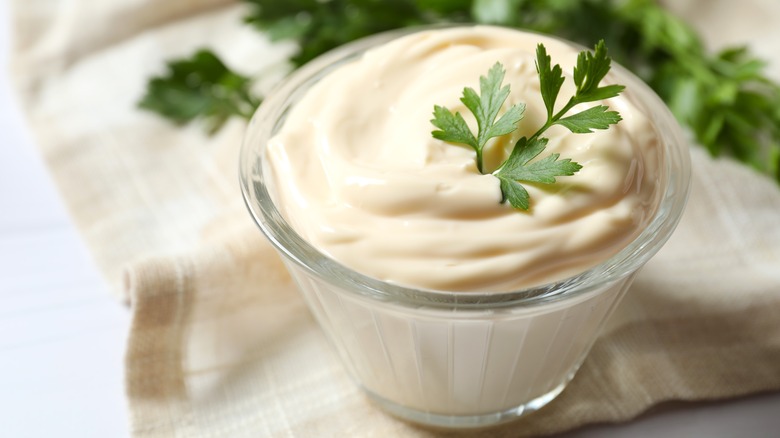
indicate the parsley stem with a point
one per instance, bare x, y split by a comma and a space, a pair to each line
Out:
480, 167
552, 119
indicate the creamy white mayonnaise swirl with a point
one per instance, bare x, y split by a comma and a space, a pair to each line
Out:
357, 173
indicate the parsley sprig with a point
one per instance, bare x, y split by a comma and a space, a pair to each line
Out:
201, 86
520, 166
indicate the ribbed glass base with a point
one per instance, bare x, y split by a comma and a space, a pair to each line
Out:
465, 421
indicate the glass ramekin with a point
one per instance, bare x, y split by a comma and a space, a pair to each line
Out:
457, 359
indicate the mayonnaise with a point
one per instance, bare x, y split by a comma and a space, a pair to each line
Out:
358, 174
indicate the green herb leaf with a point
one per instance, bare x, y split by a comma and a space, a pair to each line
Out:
452, 127
584, 122
590, 70
514, 192
518, 167
550, 79
540, 171
200, 87
485, 107
544, 170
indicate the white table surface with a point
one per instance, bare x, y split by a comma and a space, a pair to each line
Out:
62, 334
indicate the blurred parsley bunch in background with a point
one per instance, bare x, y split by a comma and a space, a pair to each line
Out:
724, 98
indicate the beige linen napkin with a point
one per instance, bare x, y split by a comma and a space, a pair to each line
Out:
222, 345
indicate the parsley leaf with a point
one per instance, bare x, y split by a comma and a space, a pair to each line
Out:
200, 86
520, 166
597, 117
485, 107
453, 128
588, 73
590, 70
550, 79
